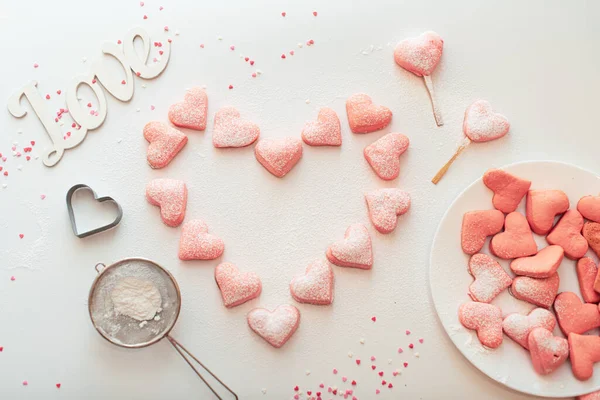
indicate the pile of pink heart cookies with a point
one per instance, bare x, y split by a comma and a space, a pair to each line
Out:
534, 278
316, 284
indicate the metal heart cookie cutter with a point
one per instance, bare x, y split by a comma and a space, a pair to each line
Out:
125, 331
80, 235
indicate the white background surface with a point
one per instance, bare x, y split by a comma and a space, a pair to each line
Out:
535, 61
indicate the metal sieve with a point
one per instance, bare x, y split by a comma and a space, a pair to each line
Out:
128, 332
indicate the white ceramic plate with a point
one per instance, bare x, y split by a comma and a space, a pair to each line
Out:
510, 364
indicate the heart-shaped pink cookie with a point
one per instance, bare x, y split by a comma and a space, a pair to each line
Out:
543, 206
196, 243
384, 155
191, 112
490, 278
516, 240
589, 396
508, 189
315, 286
540, 292
171, 196
277, 326
517, 326
584, 351
385, 205
325, 131
484, 318
587, 272
567, 234
482, 124
354, 250
165, 143
477, 226
542, 265
278, 156
236, 287
589, 207
591, 233
548, 352
575, 316
232, 131
364, 116
420, 55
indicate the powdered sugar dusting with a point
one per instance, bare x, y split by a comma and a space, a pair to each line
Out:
315, 286
231, 131
540, 292
486, 319
277, 326
482, 124
236, 287
355, 250
385, 205
490, 278
364, 116
191, 113
171, 196
517, 326
420, 55
326, 131
384, 155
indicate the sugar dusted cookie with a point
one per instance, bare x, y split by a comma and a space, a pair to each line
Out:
584, 351
315, 286
277, 326
548, 352
196, 243
575, 316
591, 233
477, 226
540, 292
589, 207
237, 287
586, 275
384, 155
542, 265
191, 112
484, 318
490, 278
543, 206
280, 155
171, 196
482, 124
508, 189
589, 396
232, 131
355, 250
325, 131
517, 326
385, 205
420, 55
516, 240
567, 234
364, 116
165, 143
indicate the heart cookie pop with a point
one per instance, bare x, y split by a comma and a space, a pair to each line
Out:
277, 326
171, 196
191, 112
325, 131
165, 143
420, 55
231, 131
315, 286
384, 155
236, 287
364, 116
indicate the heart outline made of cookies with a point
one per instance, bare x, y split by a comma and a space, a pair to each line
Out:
69, 199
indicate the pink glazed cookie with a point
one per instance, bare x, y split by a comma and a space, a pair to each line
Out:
315, 286
278, 156
384, 155
482, 124
543, 206
540, 292
236, 287
420, 55
355, 250
325, 131
385, 205
165, 143
490, 278
484, 318
586, 275
591, 233
542, 265
575, 316
232, 131
277, 326
589, 207
171, 196
477, 226
548, 352
567, 234
516, 240
196, 243
364, 116
517, 326
584, 351
508, 189
191, 112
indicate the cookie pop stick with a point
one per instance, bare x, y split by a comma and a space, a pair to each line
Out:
481, 124
420, 55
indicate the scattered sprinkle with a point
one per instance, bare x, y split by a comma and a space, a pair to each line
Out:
35, 65
373, 319
283, 56
373, 367
307, 101
397, 372
283, 14
335, 371
253, 75
145, 17
390, 385
264, 390
383, 382
232, 48
400, 350
362, 340
123, 82
230, 87
21, 235
119, 140
152, 107
405, 364
353, 383
420, 340
58, 92
201, 45
141, 4
321, 385
389, 360
380, 373
12, 278
407, 332
58, 385
372, 358
219, 38
47, 97
410, 346
315, 13
417, 355
344, 379
296, 388
377, 391
83, 59
291, 52
43, 196
300, 45
25, 383
166, 28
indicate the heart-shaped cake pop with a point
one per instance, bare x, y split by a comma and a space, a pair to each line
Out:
586, 275
196, 243
477, 226
516, 240
490, 278
315, 286
191, 112
482, 124
232, 131
384, 155
543, 206
278, 156
165, 143
508, 189
484, 318
584, 351
355, 250
171, 196
517, 326
364, 116
325, 131
589, 207
548, 352
540, 292
385, 205
567, 234
575, 316
420, 55
236, 287
591, 233
542, 265
277, 326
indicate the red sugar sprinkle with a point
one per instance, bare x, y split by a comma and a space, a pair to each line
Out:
373, 319
1, 168
47, 97
138, 73
21, 235
123, 82
160, 52
25, 383
291, 52
373, 367
309, 392
353, 383
58, 385
410, 346
251, 62
145, 17
232, 47
383, 382
35, 65
1, 348
296, 397
407, 332
405, 364
12, 278
334, 391
230, 87
372, 358
166, 28
296, 388
283, 56
42, 196
141, 4
315, 13
201, 45
28, 158
152, 107
254, 74
335, 371
283, 14
390, 385
377, 391
246, 59
318, 394
119, 41
344, 379
380, 373
161, 8
58, 91
94, 80
321, 385
5, 173
357, 362
420, 340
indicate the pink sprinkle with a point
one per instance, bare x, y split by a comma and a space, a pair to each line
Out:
152, 108
405, 364
21, 235
353, 383
123, 82
25, 383
5, 173
35, 65
400, 350
283, 56
395, 373
296, 397
372, 358
383, 382
291, 52
420, 340
407, 332
161, 8
254, 74
410, 346
1, 348
357, 362
390, 385
166, 28
28, 158
94, 80
58, 91
296, 388
14, 148
315, 13
283, 14
232, 47
335, 371
354, 398
119, 41
380, 373
58, 385
246, 59
373, 319
329, 389
145, 17
138, 73
373, 367
47, 97
377, 391
141, 4
170, 40
43, 196
12, 278
344, 379
321, 385
201, 45
251, 62
230, 87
